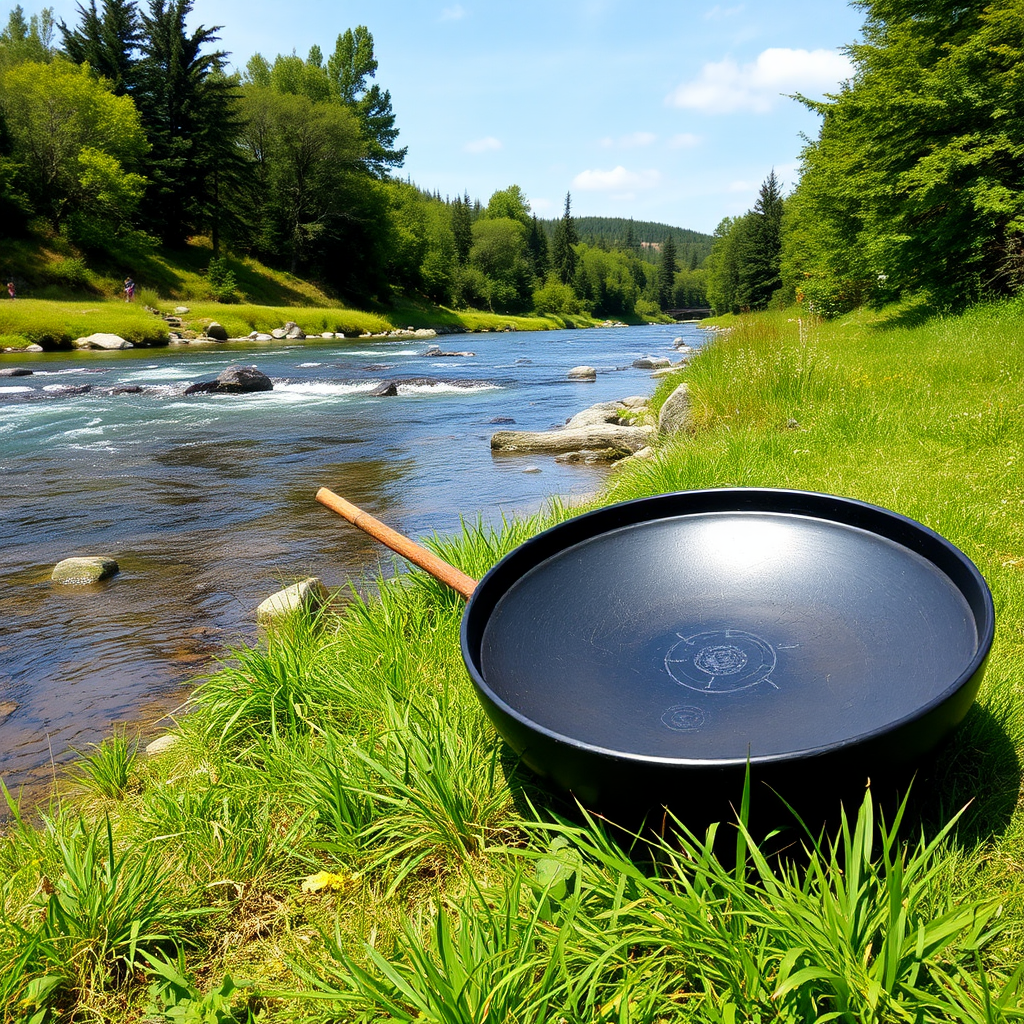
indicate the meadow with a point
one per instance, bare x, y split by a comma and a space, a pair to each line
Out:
339, 835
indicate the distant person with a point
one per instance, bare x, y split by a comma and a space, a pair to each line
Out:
10, 287
129, 289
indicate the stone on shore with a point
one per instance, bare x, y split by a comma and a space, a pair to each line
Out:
612, 440
105, 341
162, 744
306, 595
583, 373
84, 569
675, 416
217, 331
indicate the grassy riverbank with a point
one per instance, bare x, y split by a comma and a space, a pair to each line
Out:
338, 835
55, 324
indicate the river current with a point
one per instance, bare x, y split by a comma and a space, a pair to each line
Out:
206, 501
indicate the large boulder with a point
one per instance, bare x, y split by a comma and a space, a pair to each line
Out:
15, 371
675, 415
306, 595
235, 380
100, 340
614, 440
84, 569
583, 373
217, 331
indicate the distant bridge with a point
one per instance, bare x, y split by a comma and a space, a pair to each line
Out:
694, 313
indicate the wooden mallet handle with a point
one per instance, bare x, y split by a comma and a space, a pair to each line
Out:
437, 567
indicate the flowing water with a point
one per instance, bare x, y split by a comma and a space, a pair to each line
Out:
206, 501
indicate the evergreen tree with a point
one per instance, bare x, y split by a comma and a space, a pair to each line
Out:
107, 42
537, 244
187, 107
462, 229
761, 257
563, 256
667, 267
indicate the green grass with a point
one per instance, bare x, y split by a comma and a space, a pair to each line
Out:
357, 844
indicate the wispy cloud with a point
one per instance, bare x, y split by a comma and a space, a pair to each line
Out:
724, 87
485, 145
456, 13
616, 180
684, 140
719, 13
631, 141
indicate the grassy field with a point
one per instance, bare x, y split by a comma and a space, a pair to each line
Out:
339, 836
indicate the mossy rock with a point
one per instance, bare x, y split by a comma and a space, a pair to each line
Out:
84, 569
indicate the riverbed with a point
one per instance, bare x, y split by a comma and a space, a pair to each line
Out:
206, 501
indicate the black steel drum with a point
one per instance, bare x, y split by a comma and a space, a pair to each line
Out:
647, 652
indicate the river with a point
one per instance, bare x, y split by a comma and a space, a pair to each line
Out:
206, 501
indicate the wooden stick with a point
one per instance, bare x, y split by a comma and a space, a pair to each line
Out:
437, 567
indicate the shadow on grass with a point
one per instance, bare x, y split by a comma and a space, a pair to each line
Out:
977, 769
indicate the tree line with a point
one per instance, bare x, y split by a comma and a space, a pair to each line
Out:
124, 131
915, 182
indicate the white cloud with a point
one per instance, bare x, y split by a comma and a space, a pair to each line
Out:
615, 180
485, 145
684, 140
717, 13
724, 86
631, 141
456, 13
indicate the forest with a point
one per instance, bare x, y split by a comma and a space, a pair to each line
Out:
124, 132
914, 183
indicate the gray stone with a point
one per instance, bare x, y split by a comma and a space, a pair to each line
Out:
606, 437
104, 341
217, 331
162, 744
675, 415
235, 380
84, 569
182, 310
262, 337
15, 371
583, 373
279, 333
306, 595
295, 334
651, 363
34, 348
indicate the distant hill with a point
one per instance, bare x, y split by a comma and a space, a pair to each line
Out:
613, 232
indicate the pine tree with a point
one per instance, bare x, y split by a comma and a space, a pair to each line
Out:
667, 267
108, 43
761, 254
188, 108
462, 229
563, 255
537, 244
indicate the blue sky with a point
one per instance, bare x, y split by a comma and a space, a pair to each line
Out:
657, 110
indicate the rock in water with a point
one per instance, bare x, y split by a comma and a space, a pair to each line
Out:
84, 569
583, 373
235, 380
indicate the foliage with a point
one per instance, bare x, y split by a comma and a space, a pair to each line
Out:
173, 998
109, 772
914, 180
76, 141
